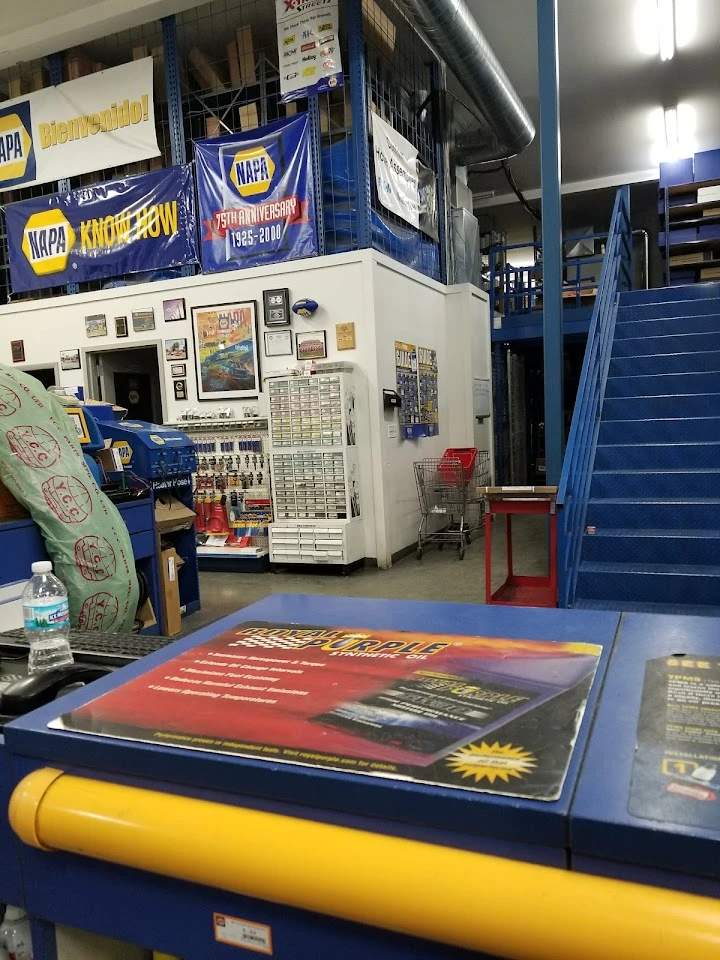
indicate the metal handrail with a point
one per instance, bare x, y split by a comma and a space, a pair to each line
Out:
615, 277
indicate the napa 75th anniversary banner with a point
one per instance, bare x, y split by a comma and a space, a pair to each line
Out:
129, 225
256, 196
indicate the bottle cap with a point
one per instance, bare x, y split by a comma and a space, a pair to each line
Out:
42, 566
14, 913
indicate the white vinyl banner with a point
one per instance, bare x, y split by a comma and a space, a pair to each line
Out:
103, 120
396, 172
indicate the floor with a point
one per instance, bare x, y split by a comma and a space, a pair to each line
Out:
438, 576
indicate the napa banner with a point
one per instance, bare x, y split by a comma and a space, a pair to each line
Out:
130, 225
256, 197
93, 123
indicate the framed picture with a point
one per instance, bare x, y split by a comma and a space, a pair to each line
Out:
69, 359
17, 350
226, 352
143, 320
177, 370
311, 345
173, 310
176, 349
96, 325
278, 343
276, 307
121, 327
180, 387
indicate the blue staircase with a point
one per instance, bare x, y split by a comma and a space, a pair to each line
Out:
654, 487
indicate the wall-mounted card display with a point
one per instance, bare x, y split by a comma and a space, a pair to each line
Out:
276, 308
143, 320
121, 327
173, 310
177, 370
176, 349
278, 343
311, 345
69, 359
180, 387
226, 353
17, 351
96, 325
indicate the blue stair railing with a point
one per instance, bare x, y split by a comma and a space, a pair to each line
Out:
616, 276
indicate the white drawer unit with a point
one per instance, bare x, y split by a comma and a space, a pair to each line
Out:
340, 542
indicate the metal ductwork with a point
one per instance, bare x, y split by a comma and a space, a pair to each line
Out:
453, 31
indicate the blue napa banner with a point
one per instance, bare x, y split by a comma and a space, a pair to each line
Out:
130, 225
256, 197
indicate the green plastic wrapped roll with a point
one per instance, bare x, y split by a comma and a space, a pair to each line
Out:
42, 464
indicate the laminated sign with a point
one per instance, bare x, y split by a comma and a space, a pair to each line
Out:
256, 196
308, 47
405, 186
123, 226
99, 121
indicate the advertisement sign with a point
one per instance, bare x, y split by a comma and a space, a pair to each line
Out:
131, 225
308, 47
405, 186
474, 713
428, 397
256, 196
99, 121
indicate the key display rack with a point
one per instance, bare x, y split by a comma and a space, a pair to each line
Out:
315, 472
231, 491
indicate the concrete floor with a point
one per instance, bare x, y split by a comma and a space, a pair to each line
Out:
438, 576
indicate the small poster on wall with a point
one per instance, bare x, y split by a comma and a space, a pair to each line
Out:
69, 359
311, 345
428, 391
406, 380
226, 353
176, 349
173, 310
96, 325
143, 320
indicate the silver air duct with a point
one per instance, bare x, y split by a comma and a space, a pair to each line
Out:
452, 30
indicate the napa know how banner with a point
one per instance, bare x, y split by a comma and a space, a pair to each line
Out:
256, 197
93, 123
130, 225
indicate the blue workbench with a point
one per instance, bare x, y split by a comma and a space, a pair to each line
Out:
176, 917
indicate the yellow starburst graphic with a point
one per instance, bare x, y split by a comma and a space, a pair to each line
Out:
492, 761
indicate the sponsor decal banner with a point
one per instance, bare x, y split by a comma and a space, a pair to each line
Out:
256, 196
130, 225
99, 121
308, 47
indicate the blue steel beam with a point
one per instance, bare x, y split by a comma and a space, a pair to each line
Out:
551, 237
55, 75
437, 83
359, 105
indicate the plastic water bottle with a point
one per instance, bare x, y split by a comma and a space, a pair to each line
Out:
47, 619
15, 934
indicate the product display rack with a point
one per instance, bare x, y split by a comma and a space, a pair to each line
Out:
315, 470
231, 492
689, 208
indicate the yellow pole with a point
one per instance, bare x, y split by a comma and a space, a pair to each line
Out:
502, 907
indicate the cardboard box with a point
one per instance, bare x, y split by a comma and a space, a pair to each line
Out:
146, 615
249, 117
170, 563
710, 273
10, 509
246, 55
171, 515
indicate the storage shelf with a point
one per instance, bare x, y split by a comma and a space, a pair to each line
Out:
704, 265
694, 246
681, 188
684, 210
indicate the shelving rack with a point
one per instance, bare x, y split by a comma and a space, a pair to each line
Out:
690, 223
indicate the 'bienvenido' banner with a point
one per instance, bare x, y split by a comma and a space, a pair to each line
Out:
130, 225
93, 123
256, 196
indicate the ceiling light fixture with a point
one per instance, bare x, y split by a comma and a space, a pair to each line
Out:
666, 28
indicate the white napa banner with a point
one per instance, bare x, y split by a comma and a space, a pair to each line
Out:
99, 121
396, 172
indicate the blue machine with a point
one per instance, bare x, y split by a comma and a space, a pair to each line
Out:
155, 453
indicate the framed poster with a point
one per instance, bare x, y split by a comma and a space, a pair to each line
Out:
17, 351
96, 325
121, 327
69, 359
226, 352
311, 345
176, 349
276, 307
177, 370
180, 388
143, 320
173, 310
278, 343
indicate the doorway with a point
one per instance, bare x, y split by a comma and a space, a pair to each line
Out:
47, 375
128, 377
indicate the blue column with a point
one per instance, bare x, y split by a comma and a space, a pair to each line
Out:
437, 82
551, 236
316, 154
55, 72
174, 93
360, 143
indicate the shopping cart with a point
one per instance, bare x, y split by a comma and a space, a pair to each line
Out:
447, 488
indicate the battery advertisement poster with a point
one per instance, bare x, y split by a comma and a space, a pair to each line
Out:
416, 380
676, 770
256, 196
129, 225
308, 47
476, 713
428, 391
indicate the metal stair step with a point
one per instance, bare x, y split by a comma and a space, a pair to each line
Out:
658, 456
672, 406
699, 291
663, 609
678, 513
652, 546
653, 582
670, 430
655, 483
664, 363
666, 326
668, 344
663, 384
672, 308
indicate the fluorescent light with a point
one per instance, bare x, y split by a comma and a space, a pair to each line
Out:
645, 23
666, 28
672, 132
686, 23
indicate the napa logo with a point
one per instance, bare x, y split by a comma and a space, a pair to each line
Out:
252, 171
17, 157
47, 241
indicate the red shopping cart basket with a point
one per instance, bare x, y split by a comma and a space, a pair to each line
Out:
447, 467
